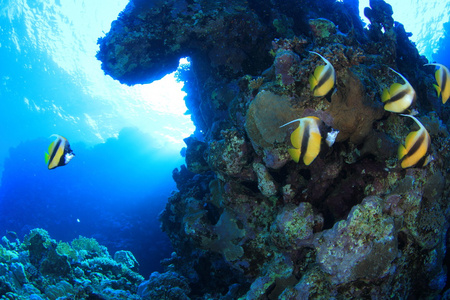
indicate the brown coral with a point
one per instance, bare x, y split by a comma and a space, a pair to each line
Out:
352, 110
267, 112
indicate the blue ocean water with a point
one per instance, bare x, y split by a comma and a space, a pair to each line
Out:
427, 21
126, 139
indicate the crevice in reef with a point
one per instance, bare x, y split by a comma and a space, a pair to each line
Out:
251, 186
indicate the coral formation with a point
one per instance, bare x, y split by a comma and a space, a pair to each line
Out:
285, 63
361, 247
169, 285
249, 223
293, 227
40, 268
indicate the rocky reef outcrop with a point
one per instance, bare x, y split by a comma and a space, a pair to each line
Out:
247, 221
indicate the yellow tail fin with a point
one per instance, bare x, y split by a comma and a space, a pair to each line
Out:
438, 89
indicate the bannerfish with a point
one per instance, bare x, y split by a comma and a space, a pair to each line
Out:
307, 138
59, 152
442, 76
323, 79
417, 146
399, 97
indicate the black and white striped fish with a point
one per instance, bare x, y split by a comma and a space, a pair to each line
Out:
399, 97
323, 79
307, 138
415, 152
59, 152
442, 76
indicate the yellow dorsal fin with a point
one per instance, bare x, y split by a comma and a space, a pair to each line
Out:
318, 71
439, 74
295, 154
313, 118
396, 88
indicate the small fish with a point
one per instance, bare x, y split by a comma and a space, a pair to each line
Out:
307, 138
399, 97
59, 152
417, 146
442, 76
323, 79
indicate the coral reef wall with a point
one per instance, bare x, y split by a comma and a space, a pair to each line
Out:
248, 222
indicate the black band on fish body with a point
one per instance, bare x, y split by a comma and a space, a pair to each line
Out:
305, 141
399, 96
55, 149
421, 162
324, 78
62, 161
444, 81
424, 160
415, 147
329, 94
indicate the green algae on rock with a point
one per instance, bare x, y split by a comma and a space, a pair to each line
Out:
322, 28
293, 228
364, 243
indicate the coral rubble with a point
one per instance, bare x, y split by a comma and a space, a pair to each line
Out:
247, 221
